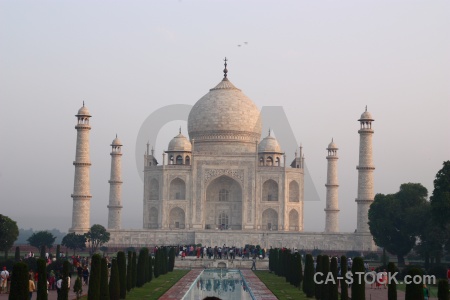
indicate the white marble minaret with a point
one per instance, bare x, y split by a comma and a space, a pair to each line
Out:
81, 189
365, 173
332, 205
115, 186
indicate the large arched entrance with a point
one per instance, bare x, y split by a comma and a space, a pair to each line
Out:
176, 218
223, 204
270, 219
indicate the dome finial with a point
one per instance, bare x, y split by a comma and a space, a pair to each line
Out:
225, 71
269, 131
179, 130
83, 103
116, 135
366, 107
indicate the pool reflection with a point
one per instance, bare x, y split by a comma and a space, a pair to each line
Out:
224, 284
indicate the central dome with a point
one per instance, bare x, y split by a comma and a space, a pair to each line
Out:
224, 114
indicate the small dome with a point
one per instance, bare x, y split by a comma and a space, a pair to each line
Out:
269, 144
180, 143
116, 142
366, 116
83, 111
332, 145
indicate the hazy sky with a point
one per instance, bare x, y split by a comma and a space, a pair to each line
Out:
323, 61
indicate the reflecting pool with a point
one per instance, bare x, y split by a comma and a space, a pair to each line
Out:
222, 283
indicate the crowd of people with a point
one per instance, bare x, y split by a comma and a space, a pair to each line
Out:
221, 252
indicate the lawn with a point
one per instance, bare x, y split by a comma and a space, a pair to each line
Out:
279, 287
157, 287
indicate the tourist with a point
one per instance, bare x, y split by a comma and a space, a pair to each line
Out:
426, 293
31, 286
58, 286
85, 275
4, 275
52, 280
384, 277
379, 279
254, 263
448, 275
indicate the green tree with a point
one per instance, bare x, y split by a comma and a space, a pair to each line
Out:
96, 237
104, 287
440, 199
74, 241
42, 279
129, 271
133, 270
114, 282
393, 219
94, 278
140, 279
334, 292
42, 253
318, 287
58, 251
414, 291
326, 284
392, 286
41, 238
17, 254
443, 290
78, 288
156, 269
344, 286
146, 265
171, 258
150, 267
358, 286
122, 264
308, 282
440, 202
64, 294
19, 282
8, 234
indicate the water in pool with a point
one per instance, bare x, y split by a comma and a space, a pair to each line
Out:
224, 284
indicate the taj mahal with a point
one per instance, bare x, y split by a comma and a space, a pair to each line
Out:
225, 183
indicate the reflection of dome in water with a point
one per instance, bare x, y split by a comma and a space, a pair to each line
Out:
224, 113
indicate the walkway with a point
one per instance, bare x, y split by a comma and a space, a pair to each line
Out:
259, 289
181, 287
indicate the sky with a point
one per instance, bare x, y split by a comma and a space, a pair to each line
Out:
321, 61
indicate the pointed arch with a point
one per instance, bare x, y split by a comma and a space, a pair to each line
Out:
188, 160
177, 218
177, 189
270, 219
294, 191
270, 190
153, 218
269, 161
179, 160
154, 189
293, 220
